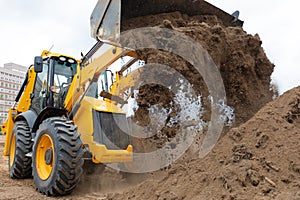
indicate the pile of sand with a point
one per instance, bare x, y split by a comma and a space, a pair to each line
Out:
257, 160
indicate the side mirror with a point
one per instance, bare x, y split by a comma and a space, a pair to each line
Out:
38, 64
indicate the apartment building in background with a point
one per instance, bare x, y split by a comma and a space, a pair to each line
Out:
11, 78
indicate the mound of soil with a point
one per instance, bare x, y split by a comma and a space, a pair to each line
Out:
257, 160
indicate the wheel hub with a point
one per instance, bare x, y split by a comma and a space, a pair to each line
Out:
48, 156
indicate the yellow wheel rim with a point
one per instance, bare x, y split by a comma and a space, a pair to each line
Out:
12, 150
45, 157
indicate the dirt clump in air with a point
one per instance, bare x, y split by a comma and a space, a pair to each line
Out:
240, 58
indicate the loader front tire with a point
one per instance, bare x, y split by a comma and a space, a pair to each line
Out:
19, 163
57, 157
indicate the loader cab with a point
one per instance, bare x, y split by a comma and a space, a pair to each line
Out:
54, 75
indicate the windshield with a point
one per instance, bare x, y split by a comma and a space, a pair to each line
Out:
64, 70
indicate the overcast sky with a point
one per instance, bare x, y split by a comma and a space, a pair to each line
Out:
30, 26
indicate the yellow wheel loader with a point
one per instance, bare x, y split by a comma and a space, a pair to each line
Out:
60, 117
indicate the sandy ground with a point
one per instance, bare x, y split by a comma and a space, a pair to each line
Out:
92, 186
14, 189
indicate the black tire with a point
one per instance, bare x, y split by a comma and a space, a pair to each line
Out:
65, 160
19, 164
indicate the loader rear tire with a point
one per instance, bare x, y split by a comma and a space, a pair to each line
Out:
19, 163
57, 157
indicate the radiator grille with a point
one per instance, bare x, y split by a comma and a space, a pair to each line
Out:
111, 129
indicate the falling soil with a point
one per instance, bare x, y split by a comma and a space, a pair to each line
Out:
241, 60
245, 71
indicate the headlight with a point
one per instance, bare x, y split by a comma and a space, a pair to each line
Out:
71, 61
63, 59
